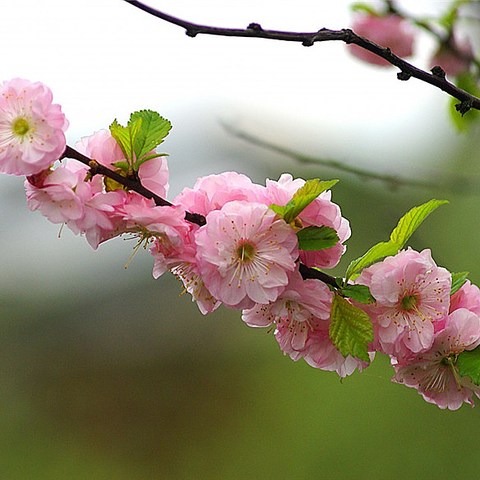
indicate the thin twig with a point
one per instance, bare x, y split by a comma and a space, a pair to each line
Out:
130, 183
254, 30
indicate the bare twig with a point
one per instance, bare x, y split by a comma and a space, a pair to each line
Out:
307, 39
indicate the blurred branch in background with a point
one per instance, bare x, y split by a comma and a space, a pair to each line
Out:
447, 182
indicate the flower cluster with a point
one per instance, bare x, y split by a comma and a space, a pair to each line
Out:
422, 327
261, 249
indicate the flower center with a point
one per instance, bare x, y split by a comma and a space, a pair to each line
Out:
20, 126
409, 302
245, 251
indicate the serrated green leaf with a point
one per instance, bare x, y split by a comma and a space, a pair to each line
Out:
153, 131
468, 364
376, 253
122, 136
398, 238
305, 195
458, 279
360, 293
351, 329
412, 220
278, 209
316, 238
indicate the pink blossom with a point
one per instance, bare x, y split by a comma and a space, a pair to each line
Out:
391, 32
301, 316
244, 253
412, 295
468, 296
31, 128
214, 191
454, 58
321, 212
55, 193
434, 373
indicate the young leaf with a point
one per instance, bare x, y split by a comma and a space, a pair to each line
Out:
399, 236
458, 279
412, 220
316, 238
153, 131
351, 329
302, 198
468, 364
360, 293
122, 135
376, 253
305, 195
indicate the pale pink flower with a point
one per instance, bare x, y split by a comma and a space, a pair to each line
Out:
188, 274
214, 191
412, 295
54, 194
321, 353
301, 316
321, 212
295, 313
31, 128
454, 58
466, 297
434, 373
244, 254
391, 32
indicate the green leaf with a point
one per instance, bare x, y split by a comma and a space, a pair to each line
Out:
145, 130
412, 220
376, 253
468, 364
316, 238
122, 135
360, 293
458, 279
153, 131
351, 329
398, 238
364, 7
302, 198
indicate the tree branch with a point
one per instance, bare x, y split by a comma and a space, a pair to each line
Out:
130, 183
254, 30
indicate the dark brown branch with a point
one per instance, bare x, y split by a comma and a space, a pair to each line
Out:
254, 30
130, 183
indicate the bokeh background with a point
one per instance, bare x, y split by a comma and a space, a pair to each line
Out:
106, 373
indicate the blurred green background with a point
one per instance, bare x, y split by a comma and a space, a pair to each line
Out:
106, 373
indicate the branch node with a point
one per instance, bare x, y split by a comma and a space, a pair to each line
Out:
404, 76
438, 72
255, 27
348, 35
463, 107
308, 42
93, 164
191, 32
